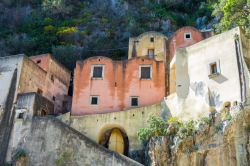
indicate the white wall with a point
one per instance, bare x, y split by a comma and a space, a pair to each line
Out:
195, 91
7, 68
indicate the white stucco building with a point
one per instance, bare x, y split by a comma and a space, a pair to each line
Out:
209, 73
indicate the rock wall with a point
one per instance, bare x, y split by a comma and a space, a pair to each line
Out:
228, 146
50, 142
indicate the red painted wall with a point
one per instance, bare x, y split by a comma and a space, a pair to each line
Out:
121, 80
178, 41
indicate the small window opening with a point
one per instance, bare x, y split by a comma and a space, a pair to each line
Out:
54, 98
134, 102
213, 68
38, 61
187, 35
21, 115
52, 78
94, 100
39, 91
151, 53
145, 72
97, 72
43, 113
152, 39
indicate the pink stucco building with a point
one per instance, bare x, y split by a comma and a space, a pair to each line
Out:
102, 85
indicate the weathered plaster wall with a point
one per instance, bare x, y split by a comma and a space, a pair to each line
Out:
7, 119
142, 43
32, 77
30, 104
121, 81
7, 68
56, 84
129, 121
48, 141
172, 77
195, 91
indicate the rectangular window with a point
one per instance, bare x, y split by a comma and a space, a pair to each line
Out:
134, 101
97, 71
214, 69
145, 72
151, 53
94, 100
52, 78
152, 39
54, 98
187, 36
20, 115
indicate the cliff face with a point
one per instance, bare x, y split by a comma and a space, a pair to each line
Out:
91, 27
226, 145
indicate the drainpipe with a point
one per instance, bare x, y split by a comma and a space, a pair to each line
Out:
240, 68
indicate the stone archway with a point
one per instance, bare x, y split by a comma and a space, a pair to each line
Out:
115, 139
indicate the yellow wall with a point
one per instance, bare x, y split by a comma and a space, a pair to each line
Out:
172, 78
143, 43
130, 121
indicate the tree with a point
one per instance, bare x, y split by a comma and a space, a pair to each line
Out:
233, 13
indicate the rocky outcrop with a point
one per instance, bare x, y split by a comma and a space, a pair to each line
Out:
215, 145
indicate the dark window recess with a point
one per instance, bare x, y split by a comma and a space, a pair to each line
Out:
43, 113
94, 100
54, 98
39, 91
20, 115
145, 72
152, 39
38, 61
97, 72
134, 101
52, 78
188, 36
151, 53
213, 68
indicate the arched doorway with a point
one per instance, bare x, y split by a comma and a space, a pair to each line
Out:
116, 140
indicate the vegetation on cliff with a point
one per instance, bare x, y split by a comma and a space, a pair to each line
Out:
72, 29
173, 127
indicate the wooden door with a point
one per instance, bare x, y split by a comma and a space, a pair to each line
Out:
116, 141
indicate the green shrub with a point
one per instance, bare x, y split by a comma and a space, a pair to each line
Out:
157, 127
186, 129
248, 128
7, 164
65, 159
218, 127
19, 153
